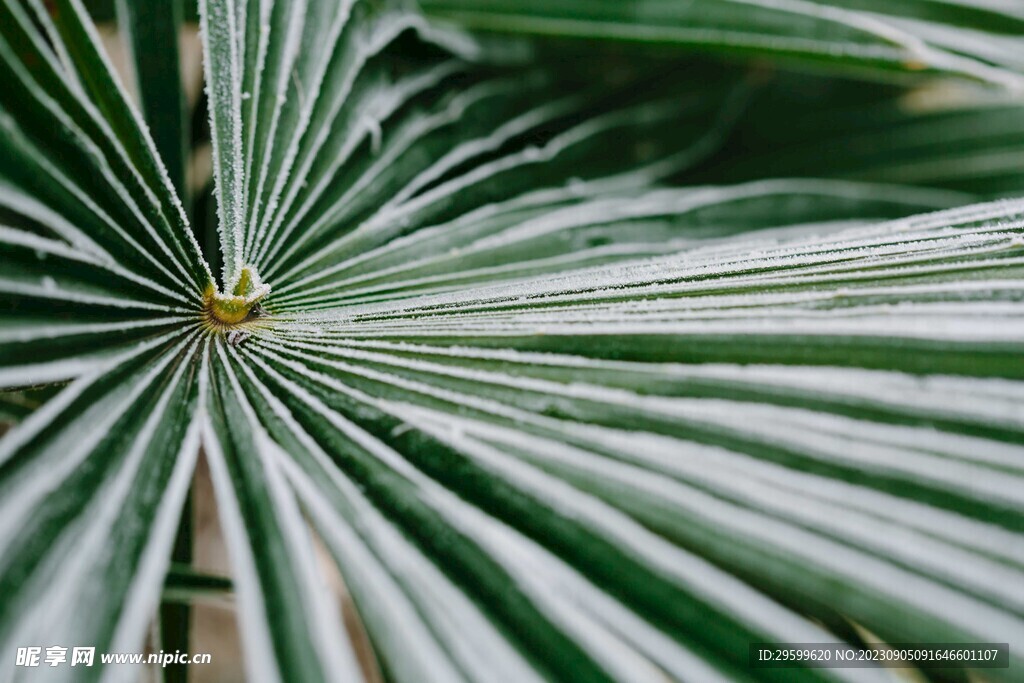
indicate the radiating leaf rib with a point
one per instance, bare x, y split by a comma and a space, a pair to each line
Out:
657, 521
352, 192
76, 277
846, 392
161, 494
34, 179
942, 562
43, 118
925, 250
660, 222
280, 37
920, 268
971, 455
41, 353
26, 211
394, 587
740, 266
548, 398
322, 86
272, 554
411, 145
97, 75
335, 145
860, 604
580, 151
43, 171
147, 175
223, 68
108, 504
257, 44
488, 576
953, 404
477, 109
462, 477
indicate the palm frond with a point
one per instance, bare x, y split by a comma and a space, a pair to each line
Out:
564, 389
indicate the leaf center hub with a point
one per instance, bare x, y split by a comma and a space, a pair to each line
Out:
224, 311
